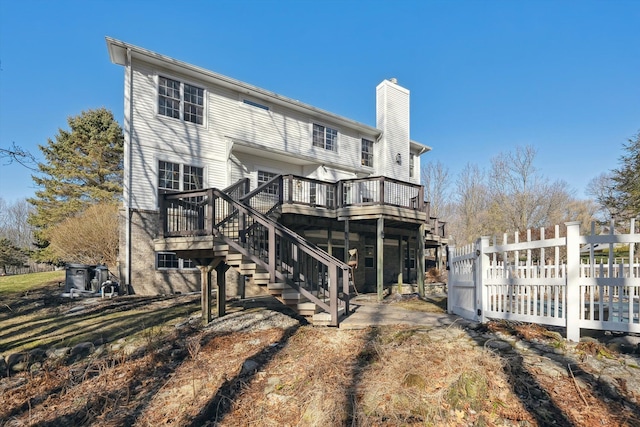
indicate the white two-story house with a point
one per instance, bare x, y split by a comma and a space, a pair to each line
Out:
290, 180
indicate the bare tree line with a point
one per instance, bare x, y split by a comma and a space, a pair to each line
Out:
511, 195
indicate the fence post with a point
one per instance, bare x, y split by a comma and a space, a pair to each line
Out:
482, 266
572, 289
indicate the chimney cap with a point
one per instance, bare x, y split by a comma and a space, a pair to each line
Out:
393, 80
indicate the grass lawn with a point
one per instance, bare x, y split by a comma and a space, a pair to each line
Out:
26, 282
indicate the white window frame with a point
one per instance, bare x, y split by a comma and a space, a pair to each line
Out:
336, 141
181, 175
181, 100
182, 264
254, 104
370, 153
261, 182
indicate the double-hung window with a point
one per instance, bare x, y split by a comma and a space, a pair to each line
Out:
367, 152
177, 177
325, 137
180, 100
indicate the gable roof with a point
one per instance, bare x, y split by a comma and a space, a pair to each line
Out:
118, 55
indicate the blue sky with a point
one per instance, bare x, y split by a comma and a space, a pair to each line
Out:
485, 76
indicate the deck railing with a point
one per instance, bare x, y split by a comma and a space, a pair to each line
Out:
288, 257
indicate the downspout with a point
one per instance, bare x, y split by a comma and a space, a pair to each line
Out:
127, 142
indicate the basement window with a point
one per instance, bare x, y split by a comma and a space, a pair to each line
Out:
170, 261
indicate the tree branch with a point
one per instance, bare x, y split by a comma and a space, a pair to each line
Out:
19, 155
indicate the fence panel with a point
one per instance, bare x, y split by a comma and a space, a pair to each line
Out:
545, 280
462, 288
524, 282
610, 292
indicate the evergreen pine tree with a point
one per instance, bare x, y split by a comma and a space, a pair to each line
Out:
626, 181
83, 166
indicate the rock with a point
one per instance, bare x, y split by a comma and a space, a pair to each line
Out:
82, 349
100, 341
57, 353
37, 355
609, 386
3, 367
14, 359
20, 366
498, 345
248, 367
35, 367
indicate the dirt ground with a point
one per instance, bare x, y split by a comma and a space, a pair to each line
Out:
151, 363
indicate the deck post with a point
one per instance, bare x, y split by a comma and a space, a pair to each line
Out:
221, 280
380, 258
420, 255
400, 264
571, 299
205, 297
346, 240
329, 240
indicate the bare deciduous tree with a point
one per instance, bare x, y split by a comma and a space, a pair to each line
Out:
435, 178
91, 237
14, 225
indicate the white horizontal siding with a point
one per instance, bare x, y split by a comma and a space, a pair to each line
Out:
227, 118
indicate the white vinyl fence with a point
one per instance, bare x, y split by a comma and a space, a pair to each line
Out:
544, 281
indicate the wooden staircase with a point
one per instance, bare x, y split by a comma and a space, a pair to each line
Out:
295, 271
293, 298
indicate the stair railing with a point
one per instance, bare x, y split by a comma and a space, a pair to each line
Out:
288, 257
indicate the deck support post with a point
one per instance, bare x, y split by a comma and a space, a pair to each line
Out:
329, 242
346, 240
420, 255
221, 280
205, 287
380, 258
400, 264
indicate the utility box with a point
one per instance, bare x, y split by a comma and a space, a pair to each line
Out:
87, 278
77, 277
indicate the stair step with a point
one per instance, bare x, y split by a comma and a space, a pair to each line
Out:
307, 308
324, 319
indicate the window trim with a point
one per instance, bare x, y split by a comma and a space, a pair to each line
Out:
180, 262
253, 104
370, 153
334, 149
181, 174
182, 102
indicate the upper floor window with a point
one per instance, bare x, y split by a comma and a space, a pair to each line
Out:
411, 164
325, 137
255, 104
367, 152
168, 175
176, 177
180, 100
